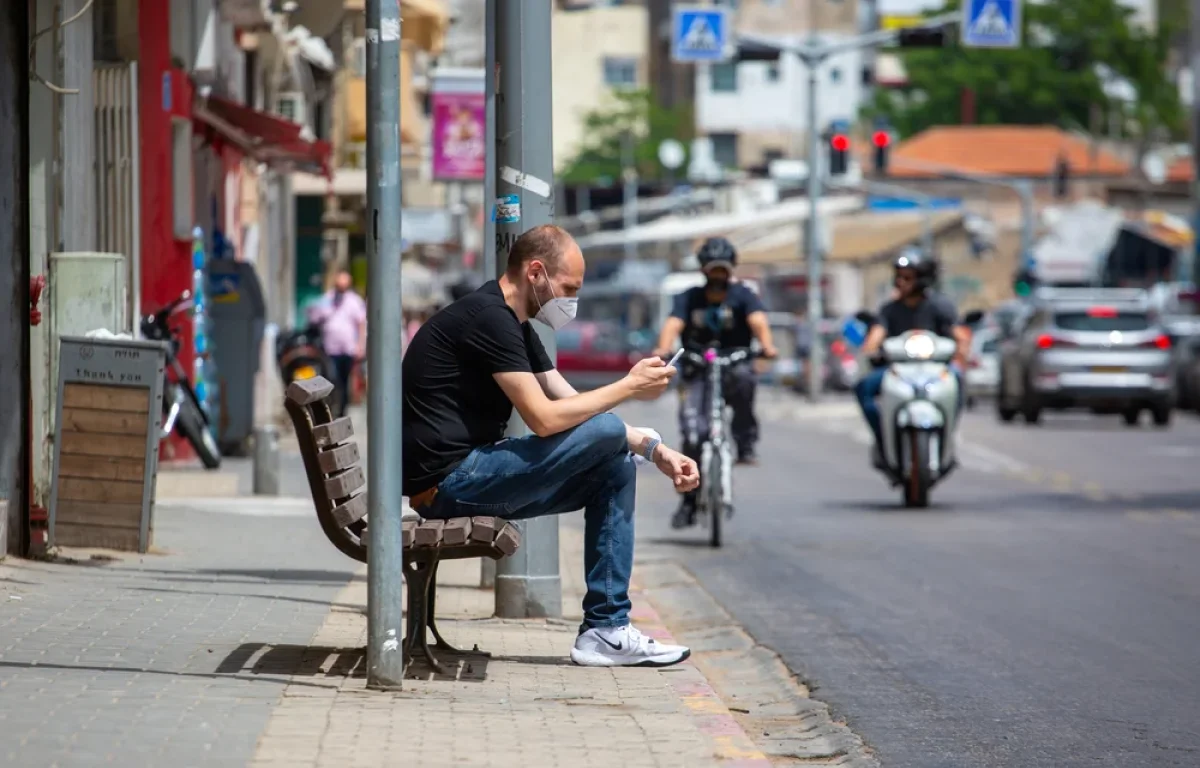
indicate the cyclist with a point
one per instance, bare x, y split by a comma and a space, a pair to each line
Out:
725, 311
917, 307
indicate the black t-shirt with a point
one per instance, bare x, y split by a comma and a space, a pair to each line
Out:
724, 323
452, 404
935, 314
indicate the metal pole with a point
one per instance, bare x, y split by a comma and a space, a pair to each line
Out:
266, 460
528, 583
1025, 188
812, 246
927, 224
488, 264
629, 197
385, 660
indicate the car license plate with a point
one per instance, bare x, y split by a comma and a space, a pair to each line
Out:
305, 372
1109, 369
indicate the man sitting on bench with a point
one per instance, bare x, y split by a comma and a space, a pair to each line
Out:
464, 371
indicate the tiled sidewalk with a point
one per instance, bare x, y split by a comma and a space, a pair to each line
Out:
526, 705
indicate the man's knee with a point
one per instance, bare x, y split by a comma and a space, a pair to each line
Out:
607, 433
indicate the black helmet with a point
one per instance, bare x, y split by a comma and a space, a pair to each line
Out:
717, 252
926, 267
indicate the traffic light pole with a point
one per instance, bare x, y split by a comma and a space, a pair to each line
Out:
812, 55
816, 355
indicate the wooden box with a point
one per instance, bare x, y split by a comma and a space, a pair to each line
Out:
106, 443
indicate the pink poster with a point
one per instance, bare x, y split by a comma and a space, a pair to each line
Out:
459, 130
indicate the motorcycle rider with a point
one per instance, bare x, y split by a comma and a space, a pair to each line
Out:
917, 307
728, 312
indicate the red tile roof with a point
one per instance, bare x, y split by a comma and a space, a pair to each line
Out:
1004, 150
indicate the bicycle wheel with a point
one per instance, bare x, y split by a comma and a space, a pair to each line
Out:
714, 497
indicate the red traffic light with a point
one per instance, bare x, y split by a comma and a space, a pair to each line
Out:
840, 142
881, 139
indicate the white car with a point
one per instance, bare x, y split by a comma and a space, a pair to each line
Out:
983, 366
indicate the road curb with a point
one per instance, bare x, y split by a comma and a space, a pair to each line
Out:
772, 709
731, 744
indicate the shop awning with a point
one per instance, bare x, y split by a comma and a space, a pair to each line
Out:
266, 138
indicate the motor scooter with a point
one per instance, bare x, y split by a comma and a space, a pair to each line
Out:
300, 355
918, 407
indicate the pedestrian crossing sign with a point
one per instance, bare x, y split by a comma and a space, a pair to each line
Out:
699, 33
992, 24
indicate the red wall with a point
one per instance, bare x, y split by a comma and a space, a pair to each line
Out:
165, 261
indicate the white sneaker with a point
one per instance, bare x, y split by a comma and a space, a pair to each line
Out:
624, 647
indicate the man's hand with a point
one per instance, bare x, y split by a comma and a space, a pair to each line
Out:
682, 470
649, 378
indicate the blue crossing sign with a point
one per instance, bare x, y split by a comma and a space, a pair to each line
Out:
699, 33
991, 24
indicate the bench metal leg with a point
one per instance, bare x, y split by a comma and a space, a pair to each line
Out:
420, 576
441, 643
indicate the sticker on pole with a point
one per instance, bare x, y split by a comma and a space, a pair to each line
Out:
992, 24
507, 210
699, 33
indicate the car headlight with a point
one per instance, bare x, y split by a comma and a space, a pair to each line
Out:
919, 347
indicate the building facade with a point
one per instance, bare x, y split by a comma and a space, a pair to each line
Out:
755, 112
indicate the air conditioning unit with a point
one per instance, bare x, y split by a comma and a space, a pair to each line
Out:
290, 105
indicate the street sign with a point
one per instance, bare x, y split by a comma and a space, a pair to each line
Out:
992, 24
699, 33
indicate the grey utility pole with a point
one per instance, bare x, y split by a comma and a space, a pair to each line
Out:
812, 55
528, 584
385, 505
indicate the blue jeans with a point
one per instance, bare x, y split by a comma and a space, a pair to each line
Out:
868, 389
587, 467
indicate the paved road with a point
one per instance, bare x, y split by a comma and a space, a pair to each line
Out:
1044, 612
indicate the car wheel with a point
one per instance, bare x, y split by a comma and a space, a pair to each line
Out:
1004, 411
1162, 415
1131, 416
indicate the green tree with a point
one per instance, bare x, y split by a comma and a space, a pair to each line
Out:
1050, 79
627, 112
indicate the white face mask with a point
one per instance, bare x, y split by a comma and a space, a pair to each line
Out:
557, 312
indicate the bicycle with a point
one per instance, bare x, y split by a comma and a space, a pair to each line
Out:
715, 501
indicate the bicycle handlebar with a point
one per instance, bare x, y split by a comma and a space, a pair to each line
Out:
711, 354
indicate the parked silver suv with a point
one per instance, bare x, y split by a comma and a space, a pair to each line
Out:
1102, 349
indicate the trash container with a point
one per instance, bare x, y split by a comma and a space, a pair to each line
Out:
237, 319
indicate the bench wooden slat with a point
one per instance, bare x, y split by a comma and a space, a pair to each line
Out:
408, 531
456, 531
483, 529
337, 431
353, 510
344, 483
508, 540
309, 391
342, 457
428, 533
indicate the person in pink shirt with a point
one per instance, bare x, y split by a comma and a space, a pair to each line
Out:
342, 315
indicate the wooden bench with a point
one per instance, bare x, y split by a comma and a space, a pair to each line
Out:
336, 480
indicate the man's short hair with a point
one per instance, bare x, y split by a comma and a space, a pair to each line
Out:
545, 242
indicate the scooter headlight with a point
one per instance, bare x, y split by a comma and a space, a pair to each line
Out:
919, 347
